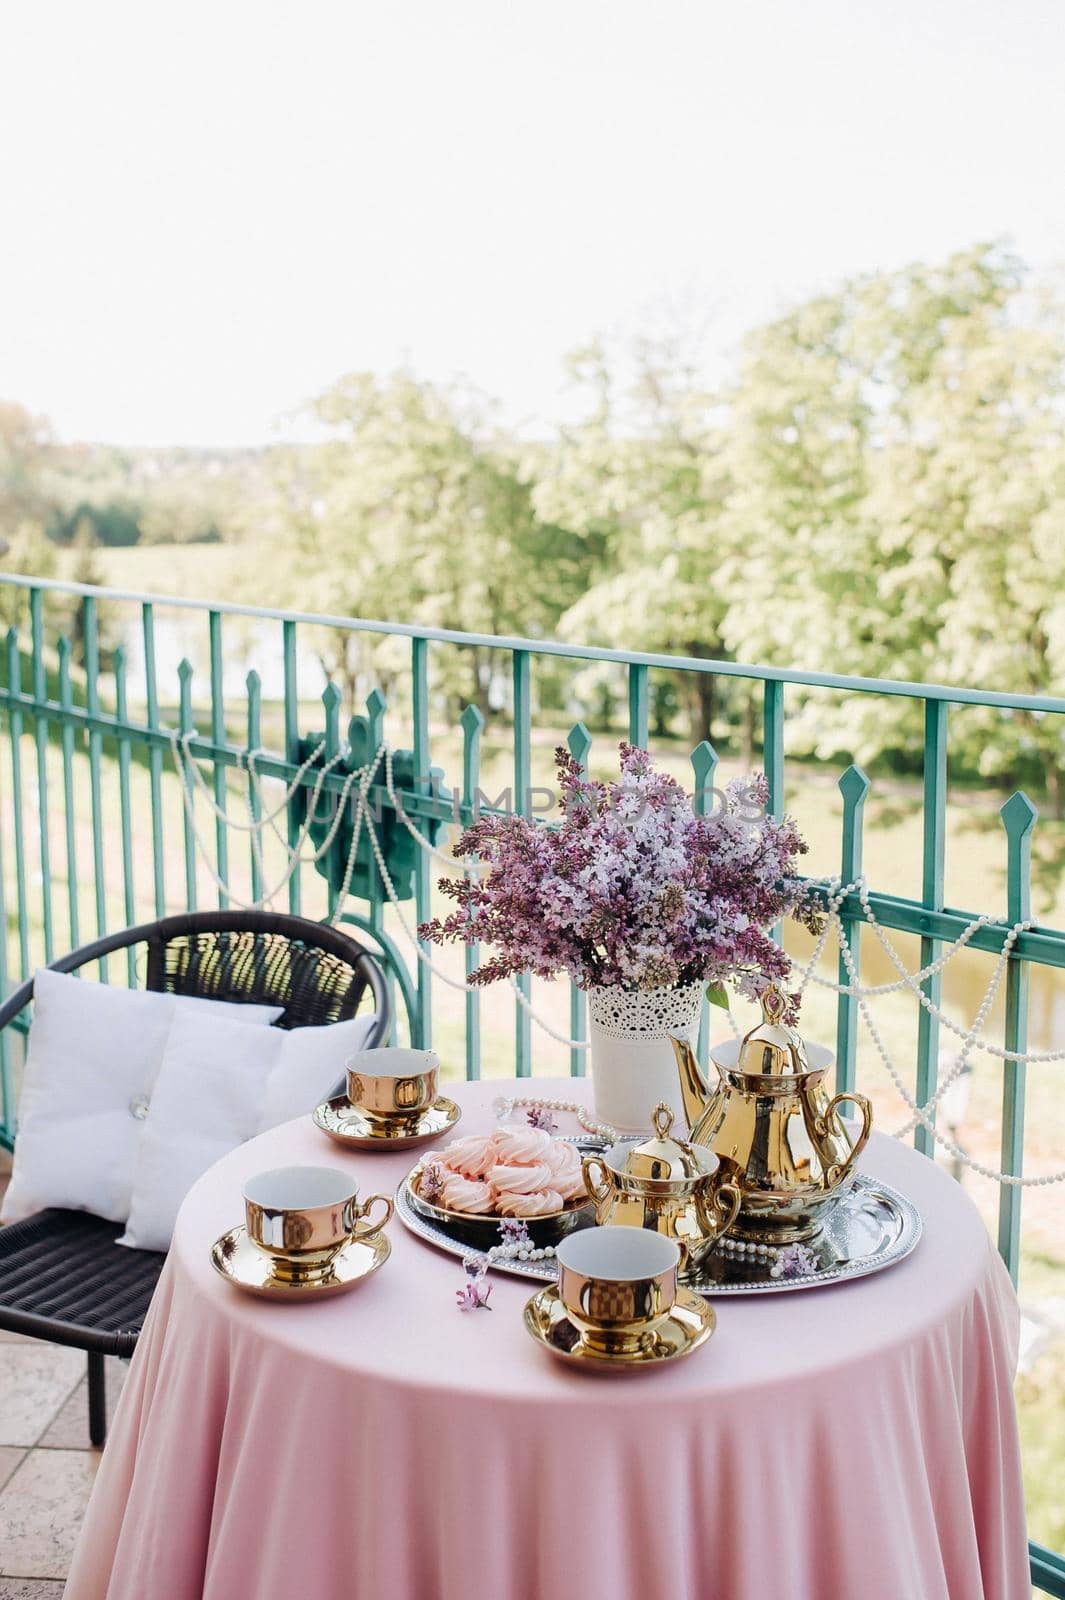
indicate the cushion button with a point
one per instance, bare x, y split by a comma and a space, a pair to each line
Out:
138, 1107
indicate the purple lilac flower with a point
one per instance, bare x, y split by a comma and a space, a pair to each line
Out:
540, 1117
432, 1180
473, 1296
797, 1261
632, 888
514, 1230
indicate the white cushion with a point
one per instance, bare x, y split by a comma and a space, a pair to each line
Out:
94, 1053
310, 1065
219, 1085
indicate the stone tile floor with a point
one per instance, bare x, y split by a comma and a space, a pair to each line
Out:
46, 1462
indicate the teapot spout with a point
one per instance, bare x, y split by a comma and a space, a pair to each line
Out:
695, 1094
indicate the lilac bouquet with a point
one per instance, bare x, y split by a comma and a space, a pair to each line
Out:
633, 888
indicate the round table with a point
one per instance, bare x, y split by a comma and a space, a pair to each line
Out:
857, 1442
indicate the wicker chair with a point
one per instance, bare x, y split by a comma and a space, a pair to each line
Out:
62, 1276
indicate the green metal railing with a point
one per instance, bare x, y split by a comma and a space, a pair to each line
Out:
76, 724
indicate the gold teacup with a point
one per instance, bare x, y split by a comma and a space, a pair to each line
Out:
304, 1216
616, 1283
389, 1085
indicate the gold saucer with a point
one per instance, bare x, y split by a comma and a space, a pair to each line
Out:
247, 1267
347, 1125
688, 1325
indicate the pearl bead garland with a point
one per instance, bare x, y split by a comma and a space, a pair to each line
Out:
1009, 1179
513, 1252
772, 1256
913, 980
503, 1105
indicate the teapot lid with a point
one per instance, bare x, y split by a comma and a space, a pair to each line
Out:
771, 1048
663, 1158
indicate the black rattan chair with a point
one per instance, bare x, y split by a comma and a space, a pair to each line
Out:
62, 1276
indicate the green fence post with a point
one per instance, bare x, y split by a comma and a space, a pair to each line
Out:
935, 828
638, 705
704, 770
395, 969
188, 800
40, 731
422, 872
14, 725
471, 722
773, 744
292, 745
1018, 818
773, 761
218, 739
91, 634
129, 902
853, 786
522, 697
255, 739
66, 704
376, 706
155, 758
331, 707
580, 744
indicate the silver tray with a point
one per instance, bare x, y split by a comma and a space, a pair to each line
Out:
872, 1227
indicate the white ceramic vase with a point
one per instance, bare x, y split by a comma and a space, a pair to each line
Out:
632, 1062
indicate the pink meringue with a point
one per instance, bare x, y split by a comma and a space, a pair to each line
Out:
472, 1156
566, 1175
520, 1146
519, 1180
466, 1194
541, 1203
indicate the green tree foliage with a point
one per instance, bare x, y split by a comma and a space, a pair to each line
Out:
24, 505
897, 507
111, 523
880, 491
412, 508
24, 443
146, 496
642, 480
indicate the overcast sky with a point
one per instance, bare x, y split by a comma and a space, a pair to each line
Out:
211, 210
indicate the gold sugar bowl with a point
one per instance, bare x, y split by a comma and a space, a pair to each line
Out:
675, 1189
774, 1126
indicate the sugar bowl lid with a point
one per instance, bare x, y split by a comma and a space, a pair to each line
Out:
771, 1048
661, 1159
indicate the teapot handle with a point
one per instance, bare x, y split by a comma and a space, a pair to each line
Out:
837, 1173
599, 1191
717, 1207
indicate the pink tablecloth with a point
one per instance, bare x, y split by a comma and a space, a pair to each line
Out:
852, 1443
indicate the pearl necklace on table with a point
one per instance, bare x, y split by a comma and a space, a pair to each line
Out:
782, 1260
503, 1105
477, 1265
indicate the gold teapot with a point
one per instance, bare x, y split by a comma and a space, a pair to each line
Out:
773, 1126
671, 1188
